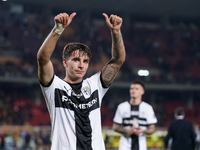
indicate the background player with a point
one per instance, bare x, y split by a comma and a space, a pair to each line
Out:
133, 119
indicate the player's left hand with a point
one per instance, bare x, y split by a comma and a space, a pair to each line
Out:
64, 19
114, 22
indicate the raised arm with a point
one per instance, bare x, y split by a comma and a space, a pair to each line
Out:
45, 67
111, 69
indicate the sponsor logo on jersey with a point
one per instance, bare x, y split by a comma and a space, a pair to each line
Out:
80, 106
76, 101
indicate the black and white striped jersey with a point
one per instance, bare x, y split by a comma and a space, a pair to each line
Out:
141, 116
75, 113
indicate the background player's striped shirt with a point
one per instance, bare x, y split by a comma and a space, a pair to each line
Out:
141, 116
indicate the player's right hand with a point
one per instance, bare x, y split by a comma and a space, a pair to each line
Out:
64, 19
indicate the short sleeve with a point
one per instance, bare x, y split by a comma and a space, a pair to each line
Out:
118, 117
151, 119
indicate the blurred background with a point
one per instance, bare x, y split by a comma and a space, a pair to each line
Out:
162, 40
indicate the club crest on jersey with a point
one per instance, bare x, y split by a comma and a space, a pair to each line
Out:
86, 90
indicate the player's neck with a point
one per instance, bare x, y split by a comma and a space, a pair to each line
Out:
71, 81
135, 101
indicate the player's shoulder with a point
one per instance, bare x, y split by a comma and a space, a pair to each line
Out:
53, 82
145, 104
58, 80
93, 79
124, 104
94, 76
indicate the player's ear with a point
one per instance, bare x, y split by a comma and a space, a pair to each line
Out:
65, 62
143, 91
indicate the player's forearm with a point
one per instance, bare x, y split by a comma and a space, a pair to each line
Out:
119, 129
150, 130
47, 47
111, 69
118, 49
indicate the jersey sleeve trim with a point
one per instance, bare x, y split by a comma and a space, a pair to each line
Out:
152, 124
117, 123
48, 83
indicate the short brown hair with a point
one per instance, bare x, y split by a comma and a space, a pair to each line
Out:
179, 111
71, 47
139, 82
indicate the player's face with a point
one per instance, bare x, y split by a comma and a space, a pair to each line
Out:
136, 91
76, 66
